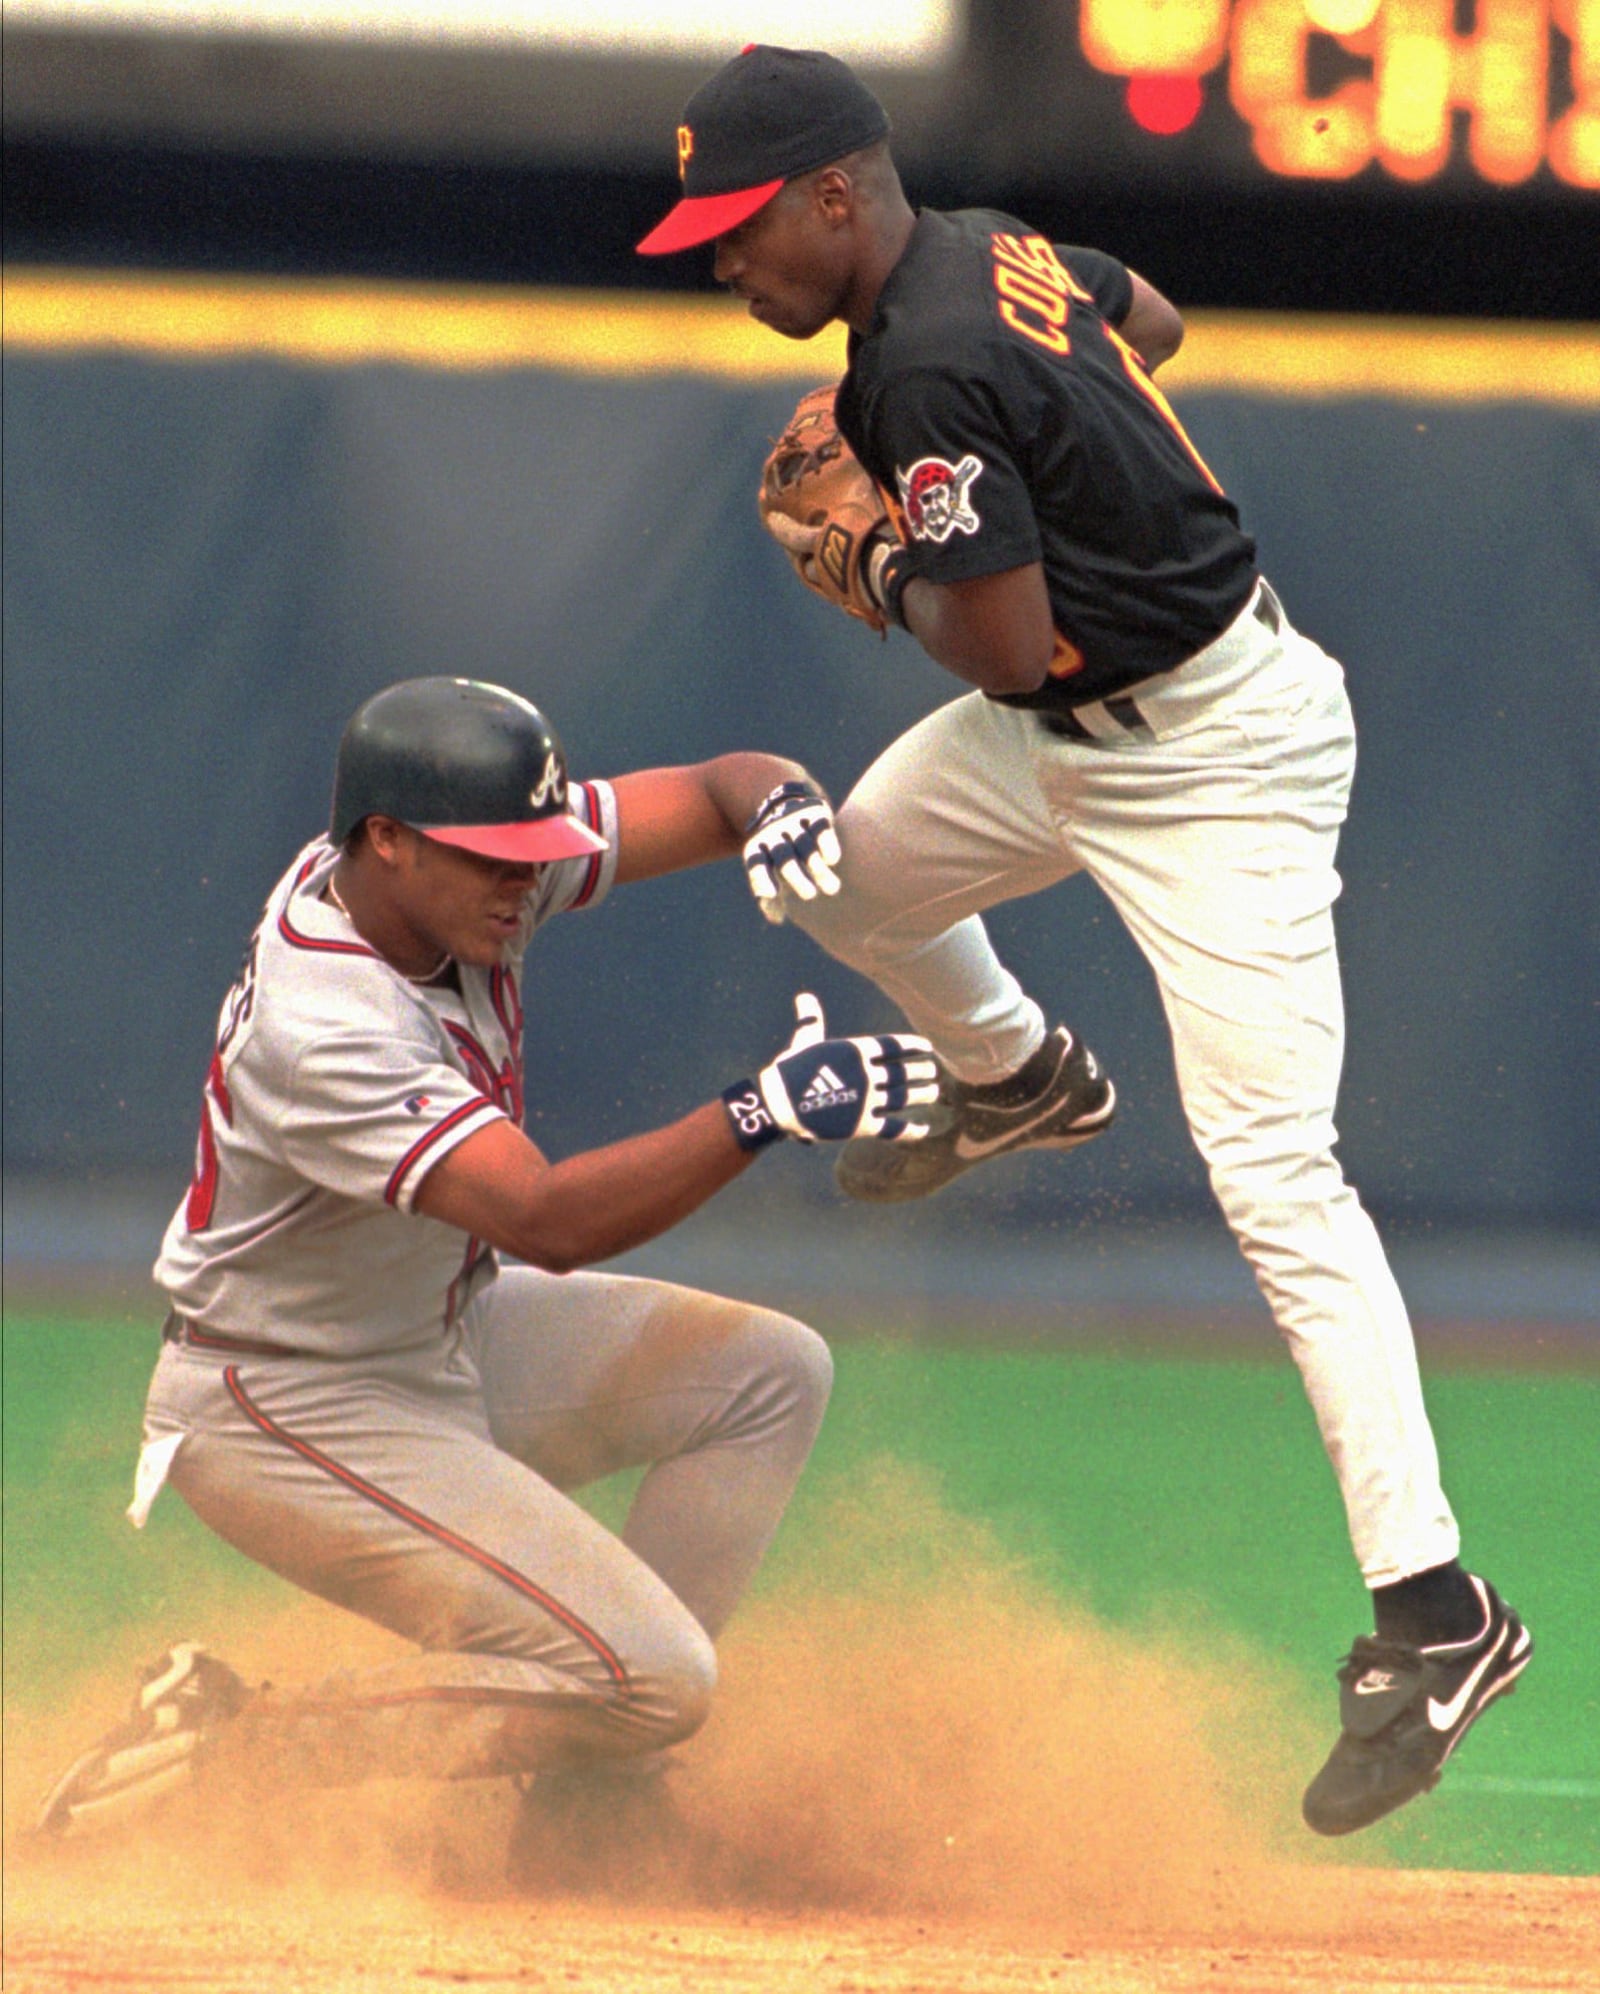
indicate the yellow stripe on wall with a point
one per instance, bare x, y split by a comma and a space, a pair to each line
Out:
332, 322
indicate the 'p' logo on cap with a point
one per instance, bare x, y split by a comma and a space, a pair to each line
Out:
764, 118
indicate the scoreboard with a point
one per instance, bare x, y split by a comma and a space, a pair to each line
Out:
1392, 108
1501, 91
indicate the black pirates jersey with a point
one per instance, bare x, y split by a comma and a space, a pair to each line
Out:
1008, 421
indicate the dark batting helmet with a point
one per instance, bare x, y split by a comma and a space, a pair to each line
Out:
466, 763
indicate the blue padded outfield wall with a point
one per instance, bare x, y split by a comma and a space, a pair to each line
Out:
209, 561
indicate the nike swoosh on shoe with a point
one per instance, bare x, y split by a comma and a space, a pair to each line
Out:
1444, 1716
970, 1149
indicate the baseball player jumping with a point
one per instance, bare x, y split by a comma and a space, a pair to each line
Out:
354, 1391
1033, 512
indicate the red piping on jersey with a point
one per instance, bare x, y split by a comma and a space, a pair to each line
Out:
297, 940
507, 1004
485, 1560
391, 1190
591, 878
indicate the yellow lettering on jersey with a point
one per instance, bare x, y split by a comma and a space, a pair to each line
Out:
685, 149
1035, 289
1142, 381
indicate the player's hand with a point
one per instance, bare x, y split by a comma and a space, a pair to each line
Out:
826, 1090
791, 842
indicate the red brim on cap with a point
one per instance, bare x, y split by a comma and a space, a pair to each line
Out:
533, 843
704, 219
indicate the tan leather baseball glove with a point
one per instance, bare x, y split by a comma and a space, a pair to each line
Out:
825, 512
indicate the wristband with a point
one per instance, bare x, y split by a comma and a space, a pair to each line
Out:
887, 574
749, 1116
791, 791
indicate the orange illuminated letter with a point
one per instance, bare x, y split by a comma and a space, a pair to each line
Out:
1318, 138
1499, 74
1575, 140
1161, 37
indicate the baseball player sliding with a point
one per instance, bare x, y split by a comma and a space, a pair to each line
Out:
355, 1391
1033, 512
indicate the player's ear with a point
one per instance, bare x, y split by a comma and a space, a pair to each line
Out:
833, 195
385, 836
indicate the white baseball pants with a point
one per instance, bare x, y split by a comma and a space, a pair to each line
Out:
1212, 830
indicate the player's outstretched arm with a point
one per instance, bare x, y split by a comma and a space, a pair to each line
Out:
763, 806
669, 818
499, 1186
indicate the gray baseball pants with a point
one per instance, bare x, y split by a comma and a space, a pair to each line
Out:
429, 1491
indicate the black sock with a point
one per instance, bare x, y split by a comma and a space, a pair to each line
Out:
1030, 1079
1430, 1609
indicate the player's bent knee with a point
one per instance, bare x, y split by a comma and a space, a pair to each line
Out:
783, 1378
670, 1697
664, 1698
801, 1358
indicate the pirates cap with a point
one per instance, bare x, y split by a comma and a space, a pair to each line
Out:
768, 115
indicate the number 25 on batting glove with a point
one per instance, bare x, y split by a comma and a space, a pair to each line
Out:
790, 842
827, 1090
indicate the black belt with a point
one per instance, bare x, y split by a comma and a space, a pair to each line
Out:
1125, 710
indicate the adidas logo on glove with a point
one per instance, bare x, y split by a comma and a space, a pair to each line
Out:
827, 1090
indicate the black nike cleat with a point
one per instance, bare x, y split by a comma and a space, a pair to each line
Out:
971, 1125
1404, 1710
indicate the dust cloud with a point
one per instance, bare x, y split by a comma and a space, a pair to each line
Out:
908, 1723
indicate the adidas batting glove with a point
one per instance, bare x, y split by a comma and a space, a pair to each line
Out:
828, 1090
791, 842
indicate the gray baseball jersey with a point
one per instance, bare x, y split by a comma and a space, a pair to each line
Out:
356, 1397
336, 1084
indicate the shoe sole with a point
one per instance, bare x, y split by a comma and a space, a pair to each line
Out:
156, 1769
888, 1177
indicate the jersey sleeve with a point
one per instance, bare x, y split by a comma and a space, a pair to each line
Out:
958, 481
572, 884
1106, 280
370, 1113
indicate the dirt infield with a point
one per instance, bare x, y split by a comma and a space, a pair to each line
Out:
1399, 1933
922, 1773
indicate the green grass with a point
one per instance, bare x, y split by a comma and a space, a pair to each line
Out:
1158, 1491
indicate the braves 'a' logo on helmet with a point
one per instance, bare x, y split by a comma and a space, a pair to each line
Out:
551, 786
934, 497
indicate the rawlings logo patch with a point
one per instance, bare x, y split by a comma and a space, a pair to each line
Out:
934, 496
833, 555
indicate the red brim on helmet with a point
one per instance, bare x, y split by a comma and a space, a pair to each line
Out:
704, 218
536, 842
